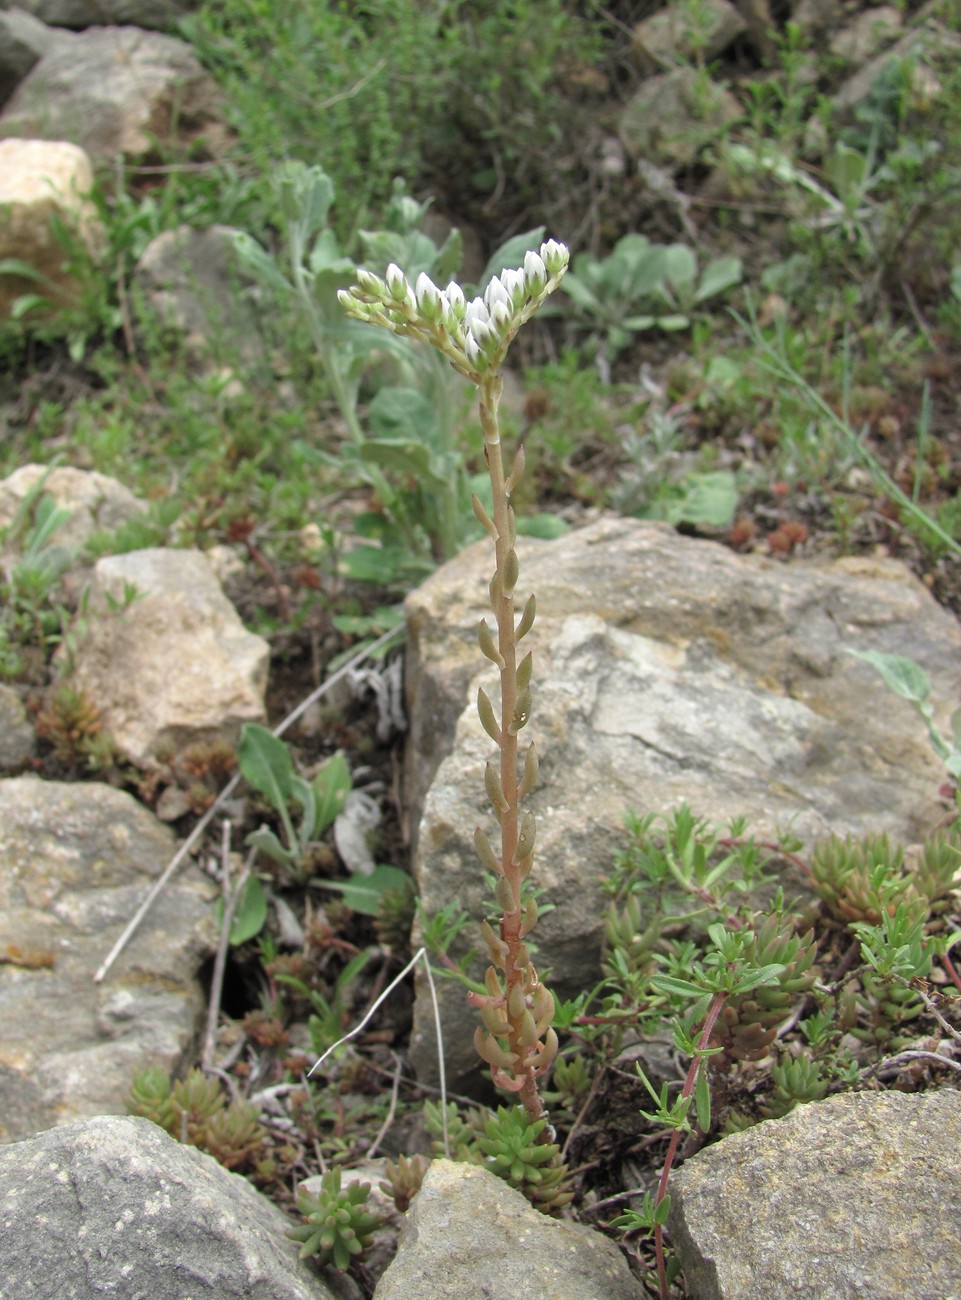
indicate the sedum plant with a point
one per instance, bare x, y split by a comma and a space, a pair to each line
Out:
516, 1037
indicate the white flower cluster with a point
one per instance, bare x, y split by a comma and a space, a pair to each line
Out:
474, 335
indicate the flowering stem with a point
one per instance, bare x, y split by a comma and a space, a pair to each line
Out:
689, 1082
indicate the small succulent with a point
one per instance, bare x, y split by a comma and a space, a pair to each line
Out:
337, 1227
796, 1080
404, 1177
748, 1022
513, 1150
195, 1110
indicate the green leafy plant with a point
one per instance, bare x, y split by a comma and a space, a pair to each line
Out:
516, 1038
337, 1227
642, 286
909, 680
404, 444
266, 764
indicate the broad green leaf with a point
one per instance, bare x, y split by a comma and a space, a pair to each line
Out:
264, 839
708, 501
542, 525
363, 893
671, 324
576, 289
638, 323
702, 1098
255, 259
511, 254
721, 274
332, 785
250, 914
680, 270
401, 456
900, 674
265, 763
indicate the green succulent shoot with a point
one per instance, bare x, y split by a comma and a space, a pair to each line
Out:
337, 1226
516, 1038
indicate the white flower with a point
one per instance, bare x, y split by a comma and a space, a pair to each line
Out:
502, 315
555, 256
456, 299
535, 272
397, 285
472, 350
495, 293
515, 283
476, 313
370, 283
428, 297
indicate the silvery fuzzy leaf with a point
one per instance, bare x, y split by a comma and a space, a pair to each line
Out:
361, 814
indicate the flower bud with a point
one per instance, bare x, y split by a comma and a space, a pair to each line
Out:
535, 272
516, 285
476, 313
456, 299
370, 283
495, 293
428, 297
501, 317
396, 282
555, 257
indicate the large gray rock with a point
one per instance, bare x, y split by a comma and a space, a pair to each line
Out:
468, 1234
115, 1207
856, 1196
75, 862
665, 669
175, 666
672, 116
88, 13
23, 42
113, 90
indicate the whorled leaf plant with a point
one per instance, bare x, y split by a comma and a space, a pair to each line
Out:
516, 1038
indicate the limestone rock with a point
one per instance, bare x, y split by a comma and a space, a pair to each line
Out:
858, 1195
193, 282
868, 34
112, 90
665, 669
114, 1206
95, 501
926, 46
176, 665
17, 739
75, 862
670, 118
89, 13
40, 180
668, 36
469, 1234
23, 42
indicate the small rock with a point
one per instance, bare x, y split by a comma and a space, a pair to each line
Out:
94, 500
468, 1234
115, 1207
867, 34
17, 739
672, 117
669, 36
858, 1195
174, 666
40, 180
193, 281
